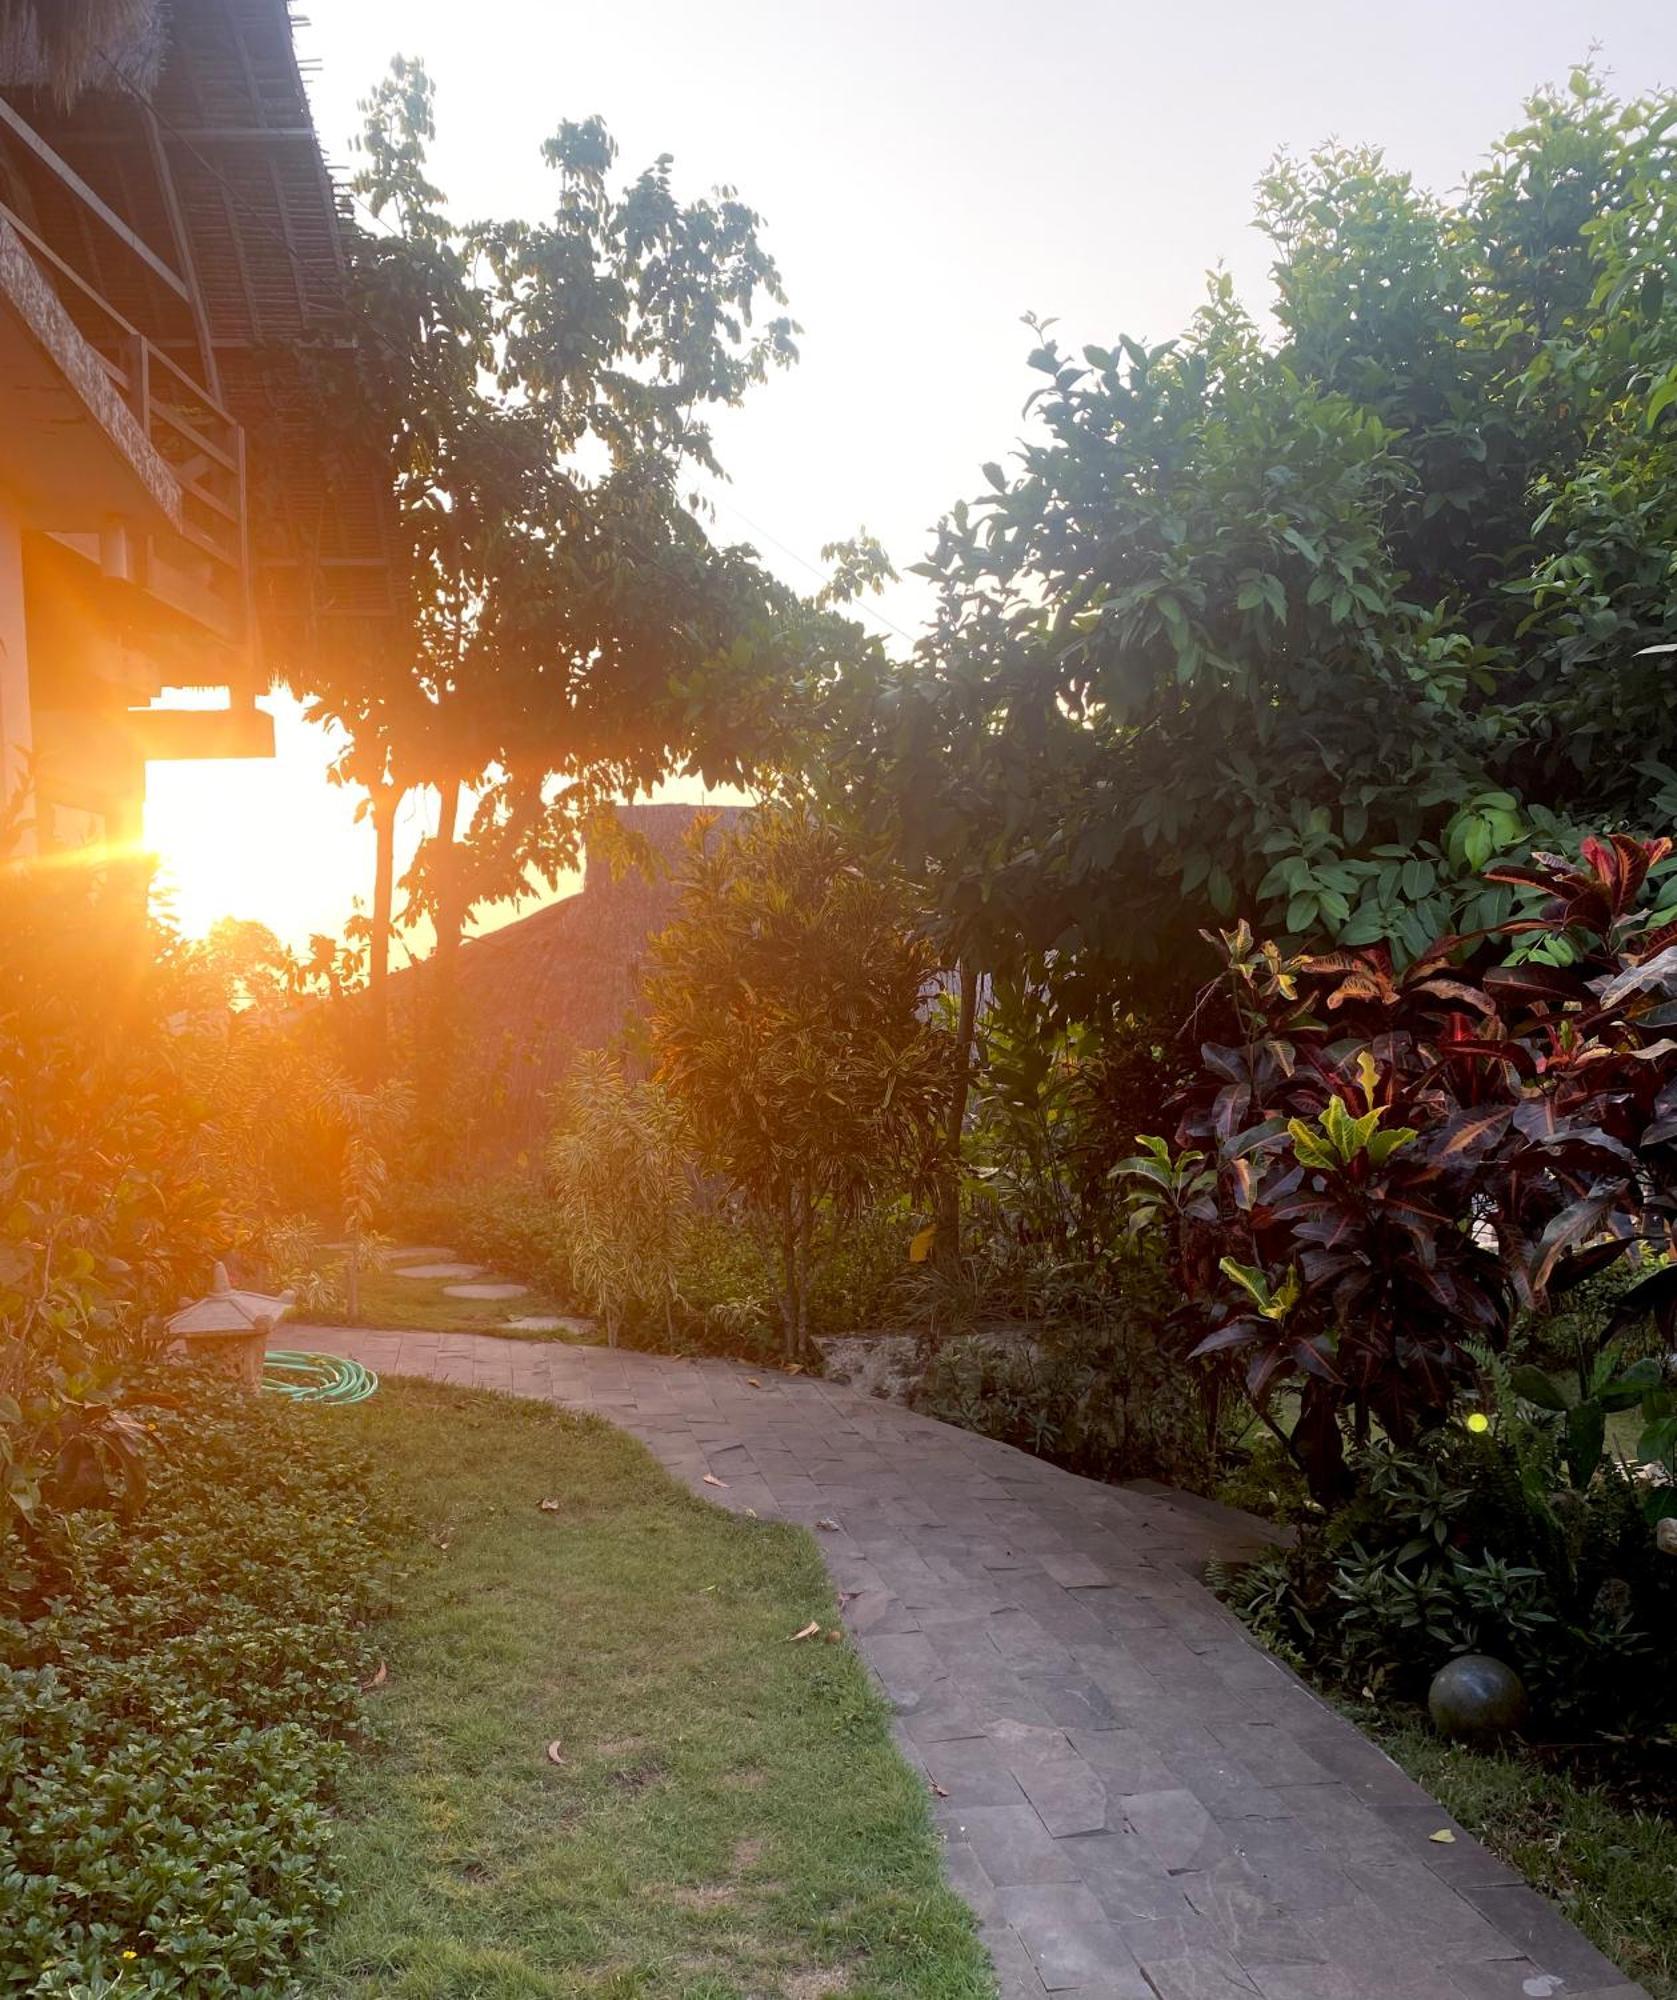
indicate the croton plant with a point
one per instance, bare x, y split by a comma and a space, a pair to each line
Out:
1377, 1169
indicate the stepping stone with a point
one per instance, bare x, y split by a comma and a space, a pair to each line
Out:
550, 1323
414, 1253
486, 1291
439, 1271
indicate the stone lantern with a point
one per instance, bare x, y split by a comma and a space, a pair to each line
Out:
229, 1329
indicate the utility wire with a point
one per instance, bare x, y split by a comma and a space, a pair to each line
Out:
792, 554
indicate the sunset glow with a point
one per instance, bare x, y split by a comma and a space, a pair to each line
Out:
267, 838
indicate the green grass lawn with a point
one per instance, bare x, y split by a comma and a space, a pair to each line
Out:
1611, 1868
723, 1814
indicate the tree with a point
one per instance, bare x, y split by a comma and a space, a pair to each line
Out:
788, 1014
1316, 628
621, 1175
572, 633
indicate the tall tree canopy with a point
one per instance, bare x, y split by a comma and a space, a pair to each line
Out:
572, 634
1312, 626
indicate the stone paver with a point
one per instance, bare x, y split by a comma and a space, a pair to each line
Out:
488, 1291
446, 1268
1134, 1798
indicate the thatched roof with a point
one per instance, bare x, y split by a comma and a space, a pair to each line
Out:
534, 993
69, 46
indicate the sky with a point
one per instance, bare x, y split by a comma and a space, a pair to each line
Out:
928, 172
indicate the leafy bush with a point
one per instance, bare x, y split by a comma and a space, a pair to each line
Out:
175, 1695
1101, 1393
622, 1181
507, 1223
1380, 1166
106, 1216
1478, 1543
788, 1017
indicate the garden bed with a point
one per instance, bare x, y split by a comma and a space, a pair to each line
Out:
177, 1694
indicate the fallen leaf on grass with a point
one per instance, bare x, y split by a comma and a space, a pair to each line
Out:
551, 1506
712, 1480
555, 1752
832, 1527
834, 1636
751, 1513
809, 1630
378, 1680
1443, 1836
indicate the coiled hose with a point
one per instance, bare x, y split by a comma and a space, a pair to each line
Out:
316, 1378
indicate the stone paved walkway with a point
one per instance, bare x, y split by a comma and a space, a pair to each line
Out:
1135, 1799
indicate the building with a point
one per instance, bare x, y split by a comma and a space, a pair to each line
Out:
178, 509
534, 993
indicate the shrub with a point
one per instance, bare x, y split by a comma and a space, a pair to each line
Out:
106, 1219
1101, 1394
1478, 1543
788, 1017
1382, 1166
622, 1183
508, 1223
175, 1695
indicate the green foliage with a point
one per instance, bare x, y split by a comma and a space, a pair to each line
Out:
1481, 1543
1051, 1099
788, 1017
1317, 629
621, 1175
1379, 1166
1098, 1390
107, 1217
542, 392
175, 1694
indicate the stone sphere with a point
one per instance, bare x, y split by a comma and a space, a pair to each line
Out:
1476, 1696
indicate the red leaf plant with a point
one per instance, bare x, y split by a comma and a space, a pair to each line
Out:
1380, 1166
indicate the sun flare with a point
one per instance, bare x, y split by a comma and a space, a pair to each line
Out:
263, 838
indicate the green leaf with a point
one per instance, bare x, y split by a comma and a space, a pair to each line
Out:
1534, 1386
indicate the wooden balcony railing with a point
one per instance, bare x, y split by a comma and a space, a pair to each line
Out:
200, 442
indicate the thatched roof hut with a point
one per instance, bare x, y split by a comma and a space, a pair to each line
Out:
66, 46
567, 978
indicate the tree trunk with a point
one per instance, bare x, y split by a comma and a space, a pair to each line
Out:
946, 1244
450, 915
385, 800
806, 1228
789, 1275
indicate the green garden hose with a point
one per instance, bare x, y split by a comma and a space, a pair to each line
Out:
316, 1378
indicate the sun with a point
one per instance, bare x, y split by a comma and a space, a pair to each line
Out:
265, 838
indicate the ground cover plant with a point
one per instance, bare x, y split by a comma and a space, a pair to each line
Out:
179, 1686
606, 1767
1605, 1851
